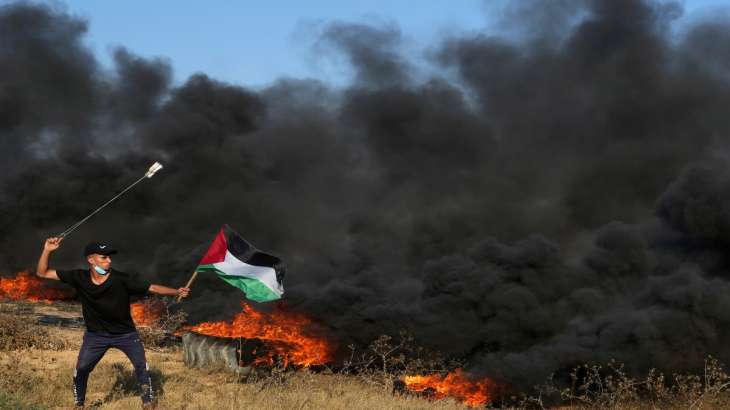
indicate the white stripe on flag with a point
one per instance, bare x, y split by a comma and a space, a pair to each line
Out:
233, 266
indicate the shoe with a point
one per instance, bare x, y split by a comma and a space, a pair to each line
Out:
149, 406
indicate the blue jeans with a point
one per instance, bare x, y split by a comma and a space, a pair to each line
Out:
93, 348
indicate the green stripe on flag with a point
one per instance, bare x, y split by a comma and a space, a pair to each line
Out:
253, 288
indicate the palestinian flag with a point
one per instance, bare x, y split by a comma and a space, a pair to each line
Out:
257, 274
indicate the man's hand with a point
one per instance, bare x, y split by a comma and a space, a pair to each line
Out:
52, 243
42, 270
183, 292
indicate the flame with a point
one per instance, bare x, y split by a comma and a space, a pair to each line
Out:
284, 333
455, 384
31, 288
147, 313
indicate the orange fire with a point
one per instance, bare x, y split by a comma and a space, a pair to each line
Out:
284, 333
31, 288
455, 384
147, 312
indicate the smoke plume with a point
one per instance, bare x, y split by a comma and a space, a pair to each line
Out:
553, 196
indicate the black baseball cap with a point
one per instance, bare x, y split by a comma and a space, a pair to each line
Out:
99, 248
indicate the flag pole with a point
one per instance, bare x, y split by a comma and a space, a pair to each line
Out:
190, 282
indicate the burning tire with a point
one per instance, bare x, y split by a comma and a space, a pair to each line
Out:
208, 352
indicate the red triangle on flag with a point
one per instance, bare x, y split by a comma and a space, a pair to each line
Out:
217, 250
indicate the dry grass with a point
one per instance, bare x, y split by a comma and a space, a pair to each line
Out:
157, 334
43, 378
20, 331
37, 375
36, 366
596, 387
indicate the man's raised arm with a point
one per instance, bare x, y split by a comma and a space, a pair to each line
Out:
42, 269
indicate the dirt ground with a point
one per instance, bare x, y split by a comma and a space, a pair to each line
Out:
36, 378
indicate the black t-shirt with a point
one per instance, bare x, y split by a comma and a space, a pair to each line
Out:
105, 307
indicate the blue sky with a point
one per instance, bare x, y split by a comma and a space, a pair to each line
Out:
254, 42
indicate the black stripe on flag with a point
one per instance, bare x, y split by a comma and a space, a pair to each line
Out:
245, 252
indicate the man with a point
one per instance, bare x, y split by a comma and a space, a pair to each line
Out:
104, 296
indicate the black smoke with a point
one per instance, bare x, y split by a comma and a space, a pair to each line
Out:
551, 197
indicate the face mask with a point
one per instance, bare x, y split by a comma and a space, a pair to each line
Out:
100, 271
